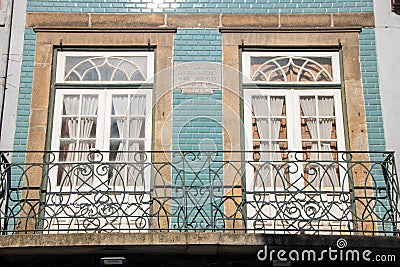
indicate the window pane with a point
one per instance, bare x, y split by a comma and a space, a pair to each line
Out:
69, 127
89, 105
78, 125
71, 105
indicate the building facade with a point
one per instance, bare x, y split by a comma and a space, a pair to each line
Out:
197, 128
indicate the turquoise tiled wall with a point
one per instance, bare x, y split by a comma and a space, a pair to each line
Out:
197, 125
373, 109
197, 117
201, 6
369, 73
25, 91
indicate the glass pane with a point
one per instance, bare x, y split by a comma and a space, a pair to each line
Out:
308, 146
82, 67
73, 77
319, 68
72, 62
136, 128
308, 128
116, 145
118, 128
120, 76
325, 128
89, 105
269, 135
135, 146
127, 66
135, 63
71, 105
85, 145
326, 106
69, 127
105, 73
137, 105
329, 146
67, 145
88, 128
91, 75
308, 106
137, 76
119, 105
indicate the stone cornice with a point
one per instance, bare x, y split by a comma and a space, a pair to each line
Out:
168, 22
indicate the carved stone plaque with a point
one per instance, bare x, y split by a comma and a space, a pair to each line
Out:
197, 77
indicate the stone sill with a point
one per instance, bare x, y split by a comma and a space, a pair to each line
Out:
179, 243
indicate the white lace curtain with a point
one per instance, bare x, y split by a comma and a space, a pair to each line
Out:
130, 122
269, 174
78, 133
308, 104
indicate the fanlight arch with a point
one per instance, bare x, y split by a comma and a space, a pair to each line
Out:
105, 69
293, 69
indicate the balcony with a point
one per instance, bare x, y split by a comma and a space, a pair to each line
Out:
339, 193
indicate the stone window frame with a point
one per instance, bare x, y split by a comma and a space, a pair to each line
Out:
55, 31
42, 80
292, 91
346, 40
94, 61
353, 104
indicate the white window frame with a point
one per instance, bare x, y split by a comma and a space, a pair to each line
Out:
104, 92
137, 92
246, 57
58, 109
292, 91
103, 119
292, 107
61, 59
292, 119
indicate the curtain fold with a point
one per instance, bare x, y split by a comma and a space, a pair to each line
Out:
308, 106
325, 176
88, 118
326, 107
71, 107
270, 173
79, 131
130, 122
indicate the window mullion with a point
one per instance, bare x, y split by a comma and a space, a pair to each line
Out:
317, 124
293, 116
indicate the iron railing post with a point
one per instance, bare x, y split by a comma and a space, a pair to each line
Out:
4, 194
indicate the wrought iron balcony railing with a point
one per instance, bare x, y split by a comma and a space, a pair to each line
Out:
354, 193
